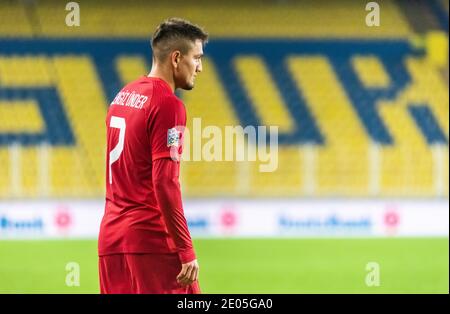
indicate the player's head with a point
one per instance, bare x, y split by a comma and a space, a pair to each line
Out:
178, 44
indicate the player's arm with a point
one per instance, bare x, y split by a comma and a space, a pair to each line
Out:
162, 121
168, 194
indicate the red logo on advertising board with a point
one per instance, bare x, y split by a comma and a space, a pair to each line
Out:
391, 221
63, 218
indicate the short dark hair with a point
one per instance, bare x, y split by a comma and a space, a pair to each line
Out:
176, 34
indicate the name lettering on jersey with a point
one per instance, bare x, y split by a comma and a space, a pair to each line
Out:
133, 100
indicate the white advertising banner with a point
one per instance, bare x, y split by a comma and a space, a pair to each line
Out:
243, 218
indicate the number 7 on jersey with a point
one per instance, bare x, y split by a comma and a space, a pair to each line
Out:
114, 154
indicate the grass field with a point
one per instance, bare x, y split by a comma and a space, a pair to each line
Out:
249, 266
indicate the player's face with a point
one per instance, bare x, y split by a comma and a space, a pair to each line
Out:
189, 66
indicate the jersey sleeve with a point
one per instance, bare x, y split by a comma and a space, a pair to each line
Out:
166, 127
167, 190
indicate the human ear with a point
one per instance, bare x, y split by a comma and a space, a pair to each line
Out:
175, 58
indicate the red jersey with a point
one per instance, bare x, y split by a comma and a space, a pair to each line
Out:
143, 210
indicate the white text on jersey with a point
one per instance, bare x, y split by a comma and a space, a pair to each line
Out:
133, 100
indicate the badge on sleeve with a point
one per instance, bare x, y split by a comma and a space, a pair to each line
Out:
173, 137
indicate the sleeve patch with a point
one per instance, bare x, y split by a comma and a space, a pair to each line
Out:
173, 138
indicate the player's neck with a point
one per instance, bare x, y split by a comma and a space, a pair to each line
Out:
158, 72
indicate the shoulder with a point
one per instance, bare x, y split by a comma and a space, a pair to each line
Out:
140, 84
168, 101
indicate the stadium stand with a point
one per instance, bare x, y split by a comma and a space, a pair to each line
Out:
361, 111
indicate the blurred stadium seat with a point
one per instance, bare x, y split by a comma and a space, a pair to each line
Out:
361, 111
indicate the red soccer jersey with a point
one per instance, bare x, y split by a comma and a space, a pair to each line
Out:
143, 127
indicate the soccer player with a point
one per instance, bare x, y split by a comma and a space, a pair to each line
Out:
144, 242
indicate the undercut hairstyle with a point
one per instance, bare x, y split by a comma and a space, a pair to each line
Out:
176, 34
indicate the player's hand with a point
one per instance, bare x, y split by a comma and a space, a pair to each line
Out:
188, 273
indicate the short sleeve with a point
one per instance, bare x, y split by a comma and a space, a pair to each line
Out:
167, 122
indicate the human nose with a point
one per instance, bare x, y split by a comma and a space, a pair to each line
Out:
199, 66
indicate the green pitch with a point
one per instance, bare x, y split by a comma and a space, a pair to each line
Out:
250, 265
